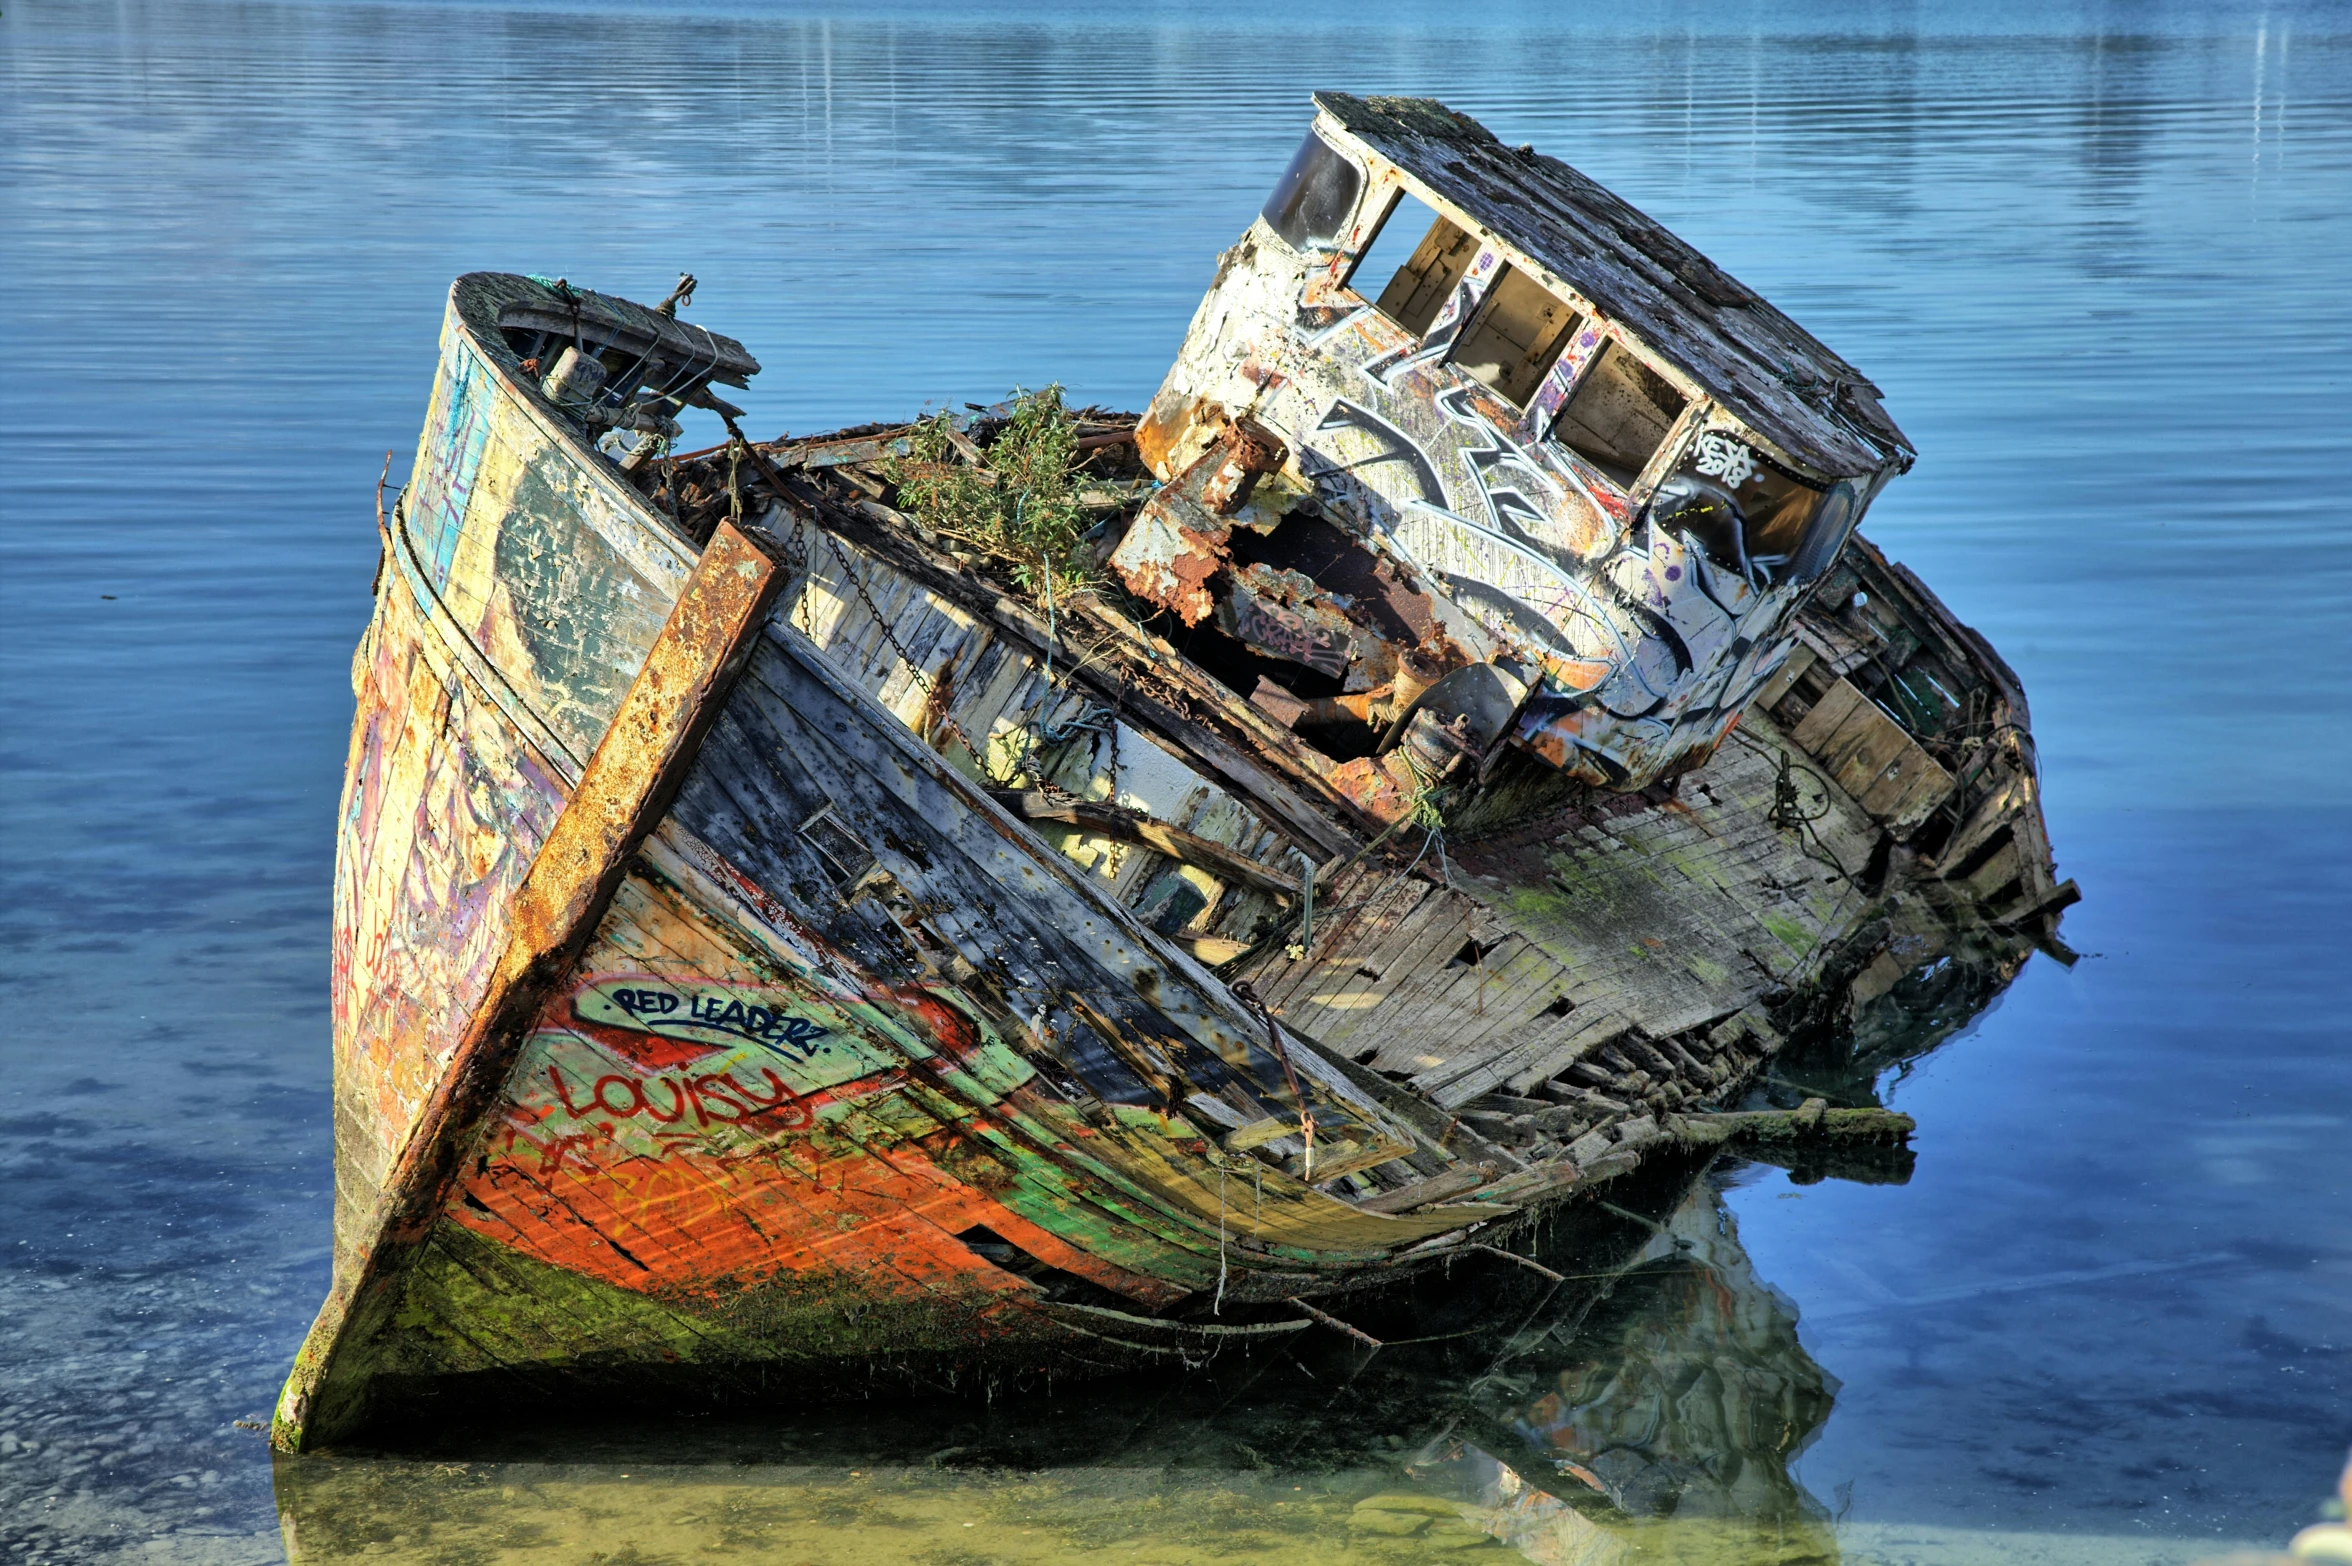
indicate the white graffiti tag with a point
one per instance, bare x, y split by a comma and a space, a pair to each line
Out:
1726, 459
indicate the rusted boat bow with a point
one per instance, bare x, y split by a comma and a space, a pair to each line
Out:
1043, 890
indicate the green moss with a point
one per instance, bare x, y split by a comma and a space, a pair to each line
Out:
1788, 932
474, 1304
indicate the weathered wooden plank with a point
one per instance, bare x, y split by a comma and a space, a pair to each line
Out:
1865, 746
1266, 780
1420, 912
1412, 963
1911, 792
1512, 1057
2005, 793
1109, 821
1010, 907
1829, 713
1506, 992
1801, 657
619, 798
1359, 909
1578, 1037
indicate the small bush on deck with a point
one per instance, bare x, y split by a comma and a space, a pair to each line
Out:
1023, 507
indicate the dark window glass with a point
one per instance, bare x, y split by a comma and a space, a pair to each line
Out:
1315, 196
1750, 515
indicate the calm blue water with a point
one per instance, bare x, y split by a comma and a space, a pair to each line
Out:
2096, 256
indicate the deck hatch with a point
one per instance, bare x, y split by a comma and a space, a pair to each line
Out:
846, 859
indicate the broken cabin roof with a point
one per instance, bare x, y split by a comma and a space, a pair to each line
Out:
1763, 367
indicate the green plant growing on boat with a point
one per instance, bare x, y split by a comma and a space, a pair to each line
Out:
1022, 507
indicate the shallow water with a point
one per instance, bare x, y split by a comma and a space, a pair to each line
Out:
2094, 255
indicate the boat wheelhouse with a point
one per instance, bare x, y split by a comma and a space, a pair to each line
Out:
1617, 470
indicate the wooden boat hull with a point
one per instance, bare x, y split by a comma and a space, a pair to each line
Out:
753, 1122
699, 1004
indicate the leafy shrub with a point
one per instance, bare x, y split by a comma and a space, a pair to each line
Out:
1022, 508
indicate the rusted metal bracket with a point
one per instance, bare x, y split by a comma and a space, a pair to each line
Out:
621, 796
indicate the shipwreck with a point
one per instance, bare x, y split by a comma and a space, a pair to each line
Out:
1046, 889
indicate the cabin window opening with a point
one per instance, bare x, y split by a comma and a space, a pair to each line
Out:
1518, 332
1421, 271
1619, 415
1315, 196
1750, 514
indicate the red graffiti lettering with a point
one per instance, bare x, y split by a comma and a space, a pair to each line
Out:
781, 1105
702, 1090
716, 1099
555, 1075
630, 1106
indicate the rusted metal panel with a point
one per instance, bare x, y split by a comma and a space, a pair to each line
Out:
1178, 541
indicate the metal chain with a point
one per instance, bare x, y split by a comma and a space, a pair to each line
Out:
947, 720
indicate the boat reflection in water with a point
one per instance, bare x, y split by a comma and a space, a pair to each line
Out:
1648, 1412
1644, 1407
1621, 1388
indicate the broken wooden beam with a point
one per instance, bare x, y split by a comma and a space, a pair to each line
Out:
1337, 1325
1437, 1188
1813, 1121
1101, 819
1528, 1262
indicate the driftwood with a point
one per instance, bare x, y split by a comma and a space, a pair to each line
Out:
1812, 1142
1814, 1121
